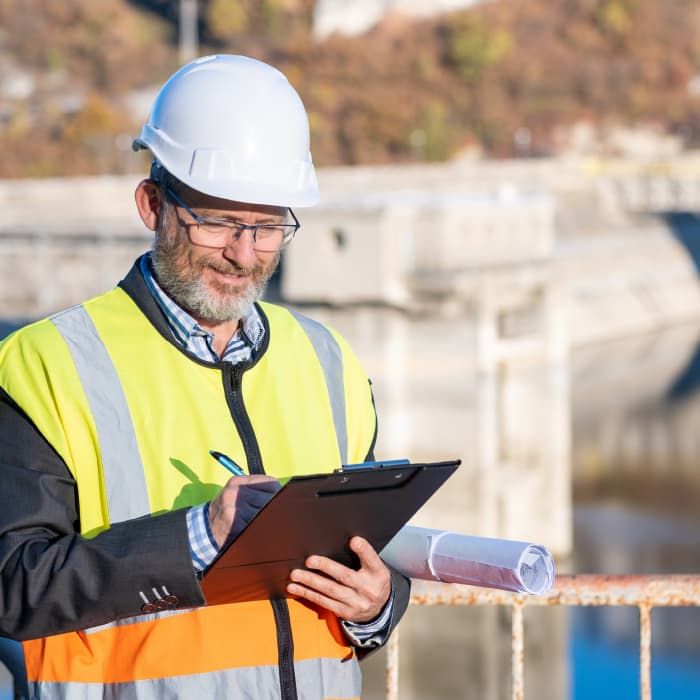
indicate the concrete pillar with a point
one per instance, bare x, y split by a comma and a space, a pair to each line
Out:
524, 411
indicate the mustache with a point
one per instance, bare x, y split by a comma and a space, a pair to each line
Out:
229, 268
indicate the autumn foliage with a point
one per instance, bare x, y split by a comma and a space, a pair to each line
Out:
406, 91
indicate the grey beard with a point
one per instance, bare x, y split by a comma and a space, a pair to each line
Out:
192, 294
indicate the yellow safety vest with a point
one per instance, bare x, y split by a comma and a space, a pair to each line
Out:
134, 417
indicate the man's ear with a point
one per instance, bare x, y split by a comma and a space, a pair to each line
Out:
149, 203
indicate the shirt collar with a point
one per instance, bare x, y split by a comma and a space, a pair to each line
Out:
190, 335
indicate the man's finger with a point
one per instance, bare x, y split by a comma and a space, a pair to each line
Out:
253, 497
261, 482
323, 601
268, 485
332, 568
245, 513
328, 586
369, 559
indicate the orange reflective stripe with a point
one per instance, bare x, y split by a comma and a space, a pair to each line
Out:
317, 633
203, 641
198, 642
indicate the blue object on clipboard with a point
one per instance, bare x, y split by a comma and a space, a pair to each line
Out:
374, 465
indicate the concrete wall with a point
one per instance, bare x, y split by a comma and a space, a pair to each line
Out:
412, 236
395, 248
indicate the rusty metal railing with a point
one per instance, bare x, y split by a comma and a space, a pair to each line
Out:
643, 592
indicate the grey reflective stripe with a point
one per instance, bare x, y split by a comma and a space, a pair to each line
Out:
316, 679
249, 682
125, 482
331, 358
328, 678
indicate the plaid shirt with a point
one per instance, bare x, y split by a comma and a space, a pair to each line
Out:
241, 348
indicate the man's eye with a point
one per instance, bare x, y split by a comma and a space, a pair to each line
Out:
215, 229
269, 230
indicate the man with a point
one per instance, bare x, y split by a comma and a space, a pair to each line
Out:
112, 508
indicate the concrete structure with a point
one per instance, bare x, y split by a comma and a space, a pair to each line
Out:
414, 245
352, 17
63, 240
407, 236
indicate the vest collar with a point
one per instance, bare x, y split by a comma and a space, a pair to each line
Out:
135, 287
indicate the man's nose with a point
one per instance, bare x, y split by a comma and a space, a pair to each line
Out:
240, 247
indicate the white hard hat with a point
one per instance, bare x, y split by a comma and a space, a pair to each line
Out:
233, 127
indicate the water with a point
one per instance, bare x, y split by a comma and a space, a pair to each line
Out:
604, 642
636, 489
10, 654
635, 411
9, 325
606, 670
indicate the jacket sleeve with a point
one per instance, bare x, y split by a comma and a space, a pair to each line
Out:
54, 580
400, 586
402, 594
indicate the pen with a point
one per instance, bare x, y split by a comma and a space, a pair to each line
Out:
227, 462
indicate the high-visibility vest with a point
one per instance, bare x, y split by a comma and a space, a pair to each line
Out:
133, 417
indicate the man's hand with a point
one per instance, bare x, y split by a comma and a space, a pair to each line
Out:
237, 503
356, 596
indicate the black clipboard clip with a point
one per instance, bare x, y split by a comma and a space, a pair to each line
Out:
373, 465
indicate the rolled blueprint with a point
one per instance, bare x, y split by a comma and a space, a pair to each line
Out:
439, 555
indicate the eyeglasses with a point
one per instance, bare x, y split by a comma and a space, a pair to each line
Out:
216, 233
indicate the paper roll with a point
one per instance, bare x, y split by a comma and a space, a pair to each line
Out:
439, 555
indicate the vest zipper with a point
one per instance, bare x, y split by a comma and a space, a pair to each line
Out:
234, 398
285, 647
232, 376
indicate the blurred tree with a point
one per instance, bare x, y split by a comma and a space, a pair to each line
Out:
405, 91
97, 118
440, 136
226, 19
272, 15
615, 16
474, 45
106, 44
84, 58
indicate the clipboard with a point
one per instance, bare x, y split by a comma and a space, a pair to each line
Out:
318, 515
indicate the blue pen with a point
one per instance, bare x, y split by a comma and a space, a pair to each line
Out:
227, 462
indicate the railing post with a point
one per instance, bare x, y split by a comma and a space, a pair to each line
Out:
645, 651
518, 652
392, 666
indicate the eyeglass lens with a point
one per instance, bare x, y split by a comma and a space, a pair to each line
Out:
266, 238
